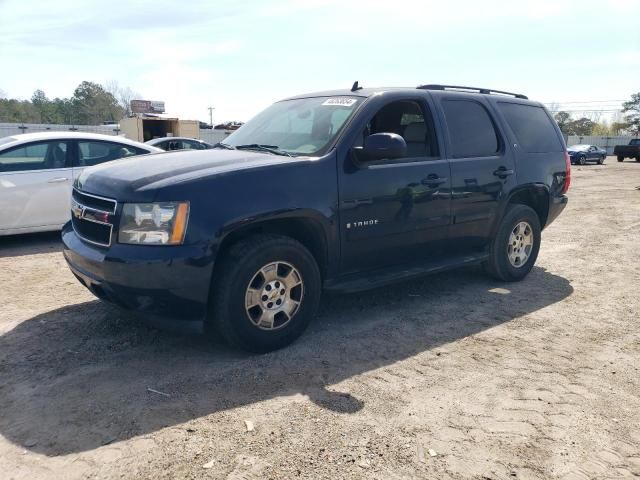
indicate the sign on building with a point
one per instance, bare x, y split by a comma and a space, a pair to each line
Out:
147, 106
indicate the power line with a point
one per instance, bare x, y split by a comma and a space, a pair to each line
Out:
586, 101
587, 110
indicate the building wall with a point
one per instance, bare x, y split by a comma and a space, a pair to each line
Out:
608, 143
8, 129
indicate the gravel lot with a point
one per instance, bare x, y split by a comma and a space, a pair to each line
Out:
453, 376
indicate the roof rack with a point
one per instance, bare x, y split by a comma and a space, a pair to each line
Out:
486, 91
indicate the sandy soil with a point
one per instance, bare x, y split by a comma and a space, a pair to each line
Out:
454, 376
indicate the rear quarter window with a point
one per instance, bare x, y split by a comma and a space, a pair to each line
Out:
532, 127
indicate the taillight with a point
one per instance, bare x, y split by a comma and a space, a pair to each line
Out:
567, 176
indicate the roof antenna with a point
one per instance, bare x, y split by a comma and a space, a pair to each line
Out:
355, 87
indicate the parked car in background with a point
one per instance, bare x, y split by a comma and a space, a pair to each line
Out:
179, 143
628, 151
37, 171
581, 154
229, 126
343, 190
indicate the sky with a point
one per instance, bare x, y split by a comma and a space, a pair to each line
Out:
240, 56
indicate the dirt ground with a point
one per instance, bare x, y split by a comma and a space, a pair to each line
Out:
454, 376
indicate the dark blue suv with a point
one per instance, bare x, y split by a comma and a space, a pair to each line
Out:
342, 190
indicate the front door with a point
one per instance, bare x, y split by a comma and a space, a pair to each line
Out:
35, 185
482, 171
395, 211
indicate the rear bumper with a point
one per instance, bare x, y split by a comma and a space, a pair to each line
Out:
166, 284
556, 206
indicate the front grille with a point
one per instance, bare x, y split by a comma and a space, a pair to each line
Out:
95, 202
92, 217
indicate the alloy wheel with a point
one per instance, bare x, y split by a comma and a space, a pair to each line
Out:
274, 295
520, 244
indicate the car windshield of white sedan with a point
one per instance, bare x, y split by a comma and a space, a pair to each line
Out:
304, 126
578, 148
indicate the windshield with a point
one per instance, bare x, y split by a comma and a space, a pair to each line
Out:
303, 126
634, 142
578, 148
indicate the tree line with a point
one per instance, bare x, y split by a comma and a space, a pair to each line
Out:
627, 124
91, 104
95, 104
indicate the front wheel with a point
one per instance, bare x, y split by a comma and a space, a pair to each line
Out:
582, 160
515, 248
601, 160
265, 293
620, 158
637, 159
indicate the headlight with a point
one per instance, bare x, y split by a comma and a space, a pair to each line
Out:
162, 223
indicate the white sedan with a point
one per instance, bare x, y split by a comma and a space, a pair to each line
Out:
37, 171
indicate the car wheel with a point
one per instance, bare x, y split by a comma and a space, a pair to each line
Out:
637, 159
620, 158
601, 160
514, 249
582, 160
265, 293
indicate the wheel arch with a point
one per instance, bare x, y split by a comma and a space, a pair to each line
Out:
535, 196
310, 229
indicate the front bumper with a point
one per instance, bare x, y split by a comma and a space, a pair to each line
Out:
556, 206
170, 284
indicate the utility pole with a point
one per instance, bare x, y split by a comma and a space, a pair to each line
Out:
211, 109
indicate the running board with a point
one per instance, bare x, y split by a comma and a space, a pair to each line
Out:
379, 278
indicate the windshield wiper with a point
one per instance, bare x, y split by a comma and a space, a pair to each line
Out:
224, 145
265, 148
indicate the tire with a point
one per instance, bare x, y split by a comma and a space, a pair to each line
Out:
637, 159
582, 160
255, 270
601, 160
499, 264
620, 158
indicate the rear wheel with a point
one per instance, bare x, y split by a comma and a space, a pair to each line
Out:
637, 159
620, 158
265, 293
514, 249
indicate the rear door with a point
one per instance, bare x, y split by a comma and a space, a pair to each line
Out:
35, 185
482, 169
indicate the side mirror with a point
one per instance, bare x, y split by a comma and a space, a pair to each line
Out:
379, 146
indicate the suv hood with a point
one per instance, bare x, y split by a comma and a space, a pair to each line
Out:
141, 176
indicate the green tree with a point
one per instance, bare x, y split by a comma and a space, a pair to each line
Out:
92, 105
582, 126
632, 109
562, 118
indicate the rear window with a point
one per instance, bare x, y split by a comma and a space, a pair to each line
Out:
471, 131
532, 127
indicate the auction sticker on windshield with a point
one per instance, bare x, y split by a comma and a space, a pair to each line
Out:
340, 101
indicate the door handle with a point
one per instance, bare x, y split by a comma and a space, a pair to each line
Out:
58, 180
503, 172
433, 179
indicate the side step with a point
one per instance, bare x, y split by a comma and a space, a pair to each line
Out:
379, 278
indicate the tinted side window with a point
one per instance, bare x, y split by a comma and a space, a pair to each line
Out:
532, 127
35, 156
92, 153
471, 131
